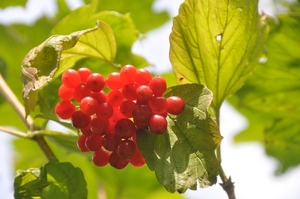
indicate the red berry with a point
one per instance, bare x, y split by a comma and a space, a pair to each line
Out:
113, 81
116, 162
175, 105
115, 98
95, 82
99, 126
158, 104
81, 91
70, 78
80, 120
84, 73
158, 124
105, 111
93, 142
115, 117
158, 85
143, 93
141, 113
126, 149
128, 74
86, 130
126, 108
65, 93
65, 109
99, 96
89, 105
137, 160
81, 143
101, 157
129, 91
124, 128
111, 141
143, 77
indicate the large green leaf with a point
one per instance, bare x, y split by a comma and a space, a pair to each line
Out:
185, 153
122, 25
272, 93
216, 43
53, 180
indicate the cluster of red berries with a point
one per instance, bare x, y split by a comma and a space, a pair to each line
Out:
108, 121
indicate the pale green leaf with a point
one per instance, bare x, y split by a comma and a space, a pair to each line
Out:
216, 43
99, 43
28, 184
185, 153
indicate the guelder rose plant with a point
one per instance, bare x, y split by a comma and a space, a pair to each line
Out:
158, 132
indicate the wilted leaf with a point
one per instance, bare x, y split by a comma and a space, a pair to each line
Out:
216, 43
43, 61
185, 153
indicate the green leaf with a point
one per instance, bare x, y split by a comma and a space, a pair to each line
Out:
282, 140
185, 153
275, 85
123, 28
66, 181
272, 92
53, 180
216, 43
6, 3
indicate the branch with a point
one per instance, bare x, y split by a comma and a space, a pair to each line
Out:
227, 184
28, 121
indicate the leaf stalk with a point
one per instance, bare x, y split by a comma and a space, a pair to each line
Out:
28, 121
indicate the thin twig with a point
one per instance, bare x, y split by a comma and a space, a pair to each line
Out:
227, 184
28, 121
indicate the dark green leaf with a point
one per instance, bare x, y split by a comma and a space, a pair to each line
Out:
53, 180
186, 152
65, 181
216, 44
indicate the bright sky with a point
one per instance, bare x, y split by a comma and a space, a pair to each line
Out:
251, 170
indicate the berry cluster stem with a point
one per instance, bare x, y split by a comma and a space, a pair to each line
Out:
28, 121
227, 184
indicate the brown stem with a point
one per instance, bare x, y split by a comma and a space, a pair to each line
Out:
227, 184
28, 121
